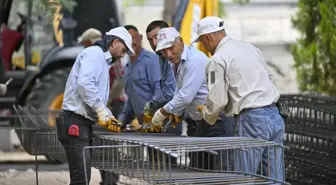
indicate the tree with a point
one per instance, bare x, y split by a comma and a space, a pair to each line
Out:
315, 51
50, 6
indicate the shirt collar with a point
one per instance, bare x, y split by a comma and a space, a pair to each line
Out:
141, 54
185, 52
222, 42
108, 56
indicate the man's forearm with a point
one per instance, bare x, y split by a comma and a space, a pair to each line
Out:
90, 95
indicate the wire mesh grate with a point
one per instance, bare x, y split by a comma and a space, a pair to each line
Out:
165, 159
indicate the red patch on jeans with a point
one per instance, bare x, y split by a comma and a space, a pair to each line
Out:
73, 130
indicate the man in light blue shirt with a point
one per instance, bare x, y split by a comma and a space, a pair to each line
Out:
85, 98
167, 82
142, 79
191, 90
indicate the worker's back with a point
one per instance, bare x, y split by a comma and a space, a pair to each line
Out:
248, 77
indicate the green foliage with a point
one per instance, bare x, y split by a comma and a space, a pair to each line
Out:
50, 6
127, 3
221, 6
315, 52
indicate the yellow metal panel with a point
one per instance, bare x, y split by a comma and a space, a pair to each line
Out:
192, 15
56, 22
196, 10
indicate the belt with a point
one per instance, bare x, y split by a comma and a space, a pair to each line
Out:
71, 113
235, 129
246, 109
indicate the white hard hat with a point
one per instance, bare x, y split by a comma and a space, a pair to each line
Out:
207, 25
90, 34
123, 34
166, 37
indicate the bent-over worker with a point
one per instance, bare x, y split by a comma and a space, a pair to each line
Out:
189, 66
87, 39
85, 98
167, 82
239, 84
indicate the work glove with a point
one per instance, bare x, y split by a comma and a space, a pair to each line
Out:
3, 89
210, 121
200, 108
116, 126
147, 108
133, 126
158, 117
105, 117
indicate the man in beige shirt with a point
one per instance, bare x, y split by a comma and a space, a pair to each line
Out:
240, 85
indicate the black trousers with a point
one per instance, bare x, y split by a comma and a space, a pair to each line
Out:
205, 160
74, 146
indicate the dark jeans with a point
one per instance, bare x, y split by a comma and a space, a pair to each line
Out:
74, 146
205, 160
153, 154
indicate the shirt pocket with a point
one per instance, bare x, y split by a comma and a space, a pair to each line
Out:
140, 79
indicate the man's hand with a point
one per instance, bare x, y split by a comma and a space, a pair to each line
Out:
200, 108
147, 108
105, 117
158, 117
148, 114
211, 121
115, 126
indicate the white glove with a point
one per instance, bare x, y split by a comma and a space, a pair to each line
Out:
3, 89
184, 129
105, 117
158, 117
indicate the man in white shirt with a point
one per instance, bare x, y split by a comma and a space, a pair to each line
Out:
240, 85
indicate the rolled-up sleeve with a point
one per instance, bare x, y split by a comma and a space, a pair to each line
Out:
217, 97
193, 78
168, 87
89, 71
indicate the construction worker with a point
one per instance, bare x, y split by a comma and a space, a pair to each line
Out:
239, 84
167, 82
85, 97
142, 80
88, 38
191, 91
117, 95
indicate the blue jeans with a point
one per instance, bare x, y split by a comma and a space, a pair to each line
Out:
264, 123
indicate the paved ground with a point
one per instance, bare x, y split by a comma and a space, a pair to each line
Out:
18, 168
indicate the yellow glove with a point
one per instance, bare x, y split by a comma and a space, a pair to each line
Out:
200, 108
115, 126
147, 118
175, 120
105, 116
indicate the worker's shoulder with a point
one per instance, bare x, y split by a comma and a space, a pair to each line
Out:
237, 46
197, 56
93, 50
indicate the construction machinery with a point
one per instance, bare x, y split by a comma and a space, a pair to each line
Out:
38, 50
